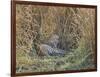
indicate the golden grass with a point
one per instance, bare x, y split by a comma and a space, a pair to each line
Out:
74, 26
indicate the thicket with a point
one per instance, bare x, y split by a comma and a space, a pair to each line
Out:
36, 24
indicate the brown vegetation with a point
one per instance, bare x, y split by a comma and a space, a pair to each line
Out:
76, 30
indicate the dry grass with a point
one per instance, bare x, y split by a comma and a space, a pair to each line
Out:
74, 26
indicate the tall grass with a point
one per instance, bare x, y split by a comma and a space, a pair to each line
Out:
76, 30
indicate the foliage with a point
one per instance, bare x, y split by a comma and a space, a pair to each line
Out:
75, 27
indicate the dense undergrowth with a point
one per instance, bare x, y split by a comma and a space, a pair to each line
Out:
36, 24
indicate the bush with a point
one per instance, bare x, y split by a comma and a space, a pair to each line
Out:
36, 24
